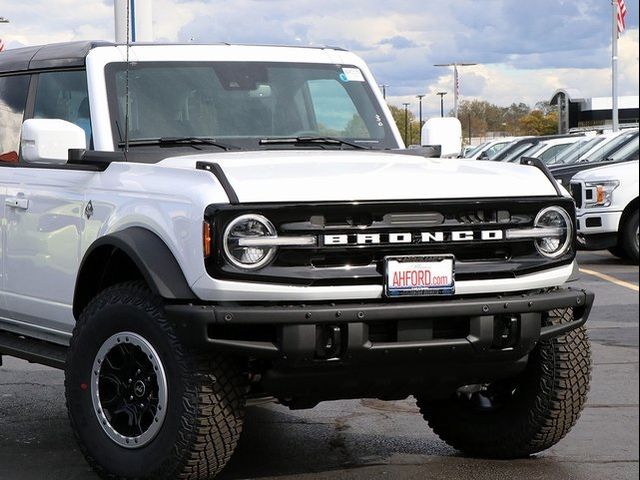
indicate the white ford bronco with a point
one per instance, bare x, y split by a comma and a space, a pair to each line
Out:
186, 229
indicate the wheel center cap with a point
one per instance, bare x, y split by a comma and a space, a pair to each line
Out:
139, 388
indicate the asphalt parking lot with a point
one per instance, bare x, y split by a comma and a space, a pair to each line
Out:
369, 439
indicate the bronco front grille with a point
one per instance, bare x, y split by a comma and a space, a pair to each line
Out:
354, 238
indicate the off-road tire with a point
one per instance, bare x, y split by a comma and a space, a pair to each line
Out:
551, 394
628, 237
205, 410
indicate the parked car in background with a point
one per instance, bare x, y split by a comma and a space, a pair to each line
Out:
607, 208
605, 151
524, 143
578, 149
547, 150
595, 148
488, 149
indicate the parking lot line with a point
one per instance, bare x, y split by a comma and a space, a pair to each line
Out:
609, 278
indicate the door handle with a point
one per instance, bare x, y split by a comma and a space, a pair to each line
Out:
17, 202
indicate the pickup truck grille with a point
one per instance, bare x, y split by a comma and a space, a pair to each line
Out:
576, 193
354, 238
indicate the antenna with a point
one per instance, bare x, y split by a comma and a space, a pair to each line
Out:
126, 82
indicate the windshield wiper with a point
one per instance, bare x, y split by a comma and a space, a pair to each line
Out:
190, 141
320, 141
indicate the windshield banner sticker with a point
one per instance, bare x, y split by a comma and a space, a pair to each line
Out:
351, 75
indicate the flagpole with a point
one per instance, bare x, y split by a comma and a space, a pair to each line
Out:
614, 67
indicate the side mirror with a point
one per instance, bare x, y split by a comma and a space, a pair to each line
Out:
49, 141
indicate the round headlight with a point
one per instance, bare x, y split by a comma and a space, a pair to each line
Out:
237, 241
560, 227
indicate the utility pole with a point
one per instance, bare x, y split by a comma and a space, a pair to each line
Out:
406, 124
384, 90
442, 94
420, 97
456, 81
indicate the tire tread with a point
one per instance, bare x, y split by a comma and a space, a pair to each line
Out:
213, 403
565, 375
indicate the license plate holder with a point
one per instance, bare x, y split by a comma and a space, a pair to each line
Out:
419, 276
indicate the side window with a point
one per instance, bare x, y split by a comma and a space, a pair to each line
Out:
64, 96
336, 114
13, 98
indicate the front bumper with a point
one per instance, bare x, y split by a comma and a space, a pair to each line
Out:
499, 327
598, 229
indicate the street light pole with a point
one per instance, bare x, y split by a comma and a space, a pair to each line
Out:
456, 81
384, 90
442, 94
406, 123
420, 97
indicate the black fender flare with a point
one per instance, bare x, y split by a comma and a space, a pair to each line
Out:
151, 256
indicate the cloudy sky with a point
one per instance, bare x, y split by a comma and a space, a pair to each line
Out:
525, 49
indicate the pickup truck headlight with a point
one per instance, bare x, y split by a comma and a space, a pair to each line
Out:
241, 241
599, 194
557, 222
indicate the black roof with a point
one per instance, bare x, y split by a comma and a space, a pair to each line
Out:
69, 54
54, 55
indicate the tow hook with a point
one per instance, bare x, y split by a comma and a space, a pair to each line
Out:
328, 342
506, 331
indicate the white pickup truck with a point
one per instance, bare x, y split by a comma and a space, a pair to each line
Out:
607, 200
187, 228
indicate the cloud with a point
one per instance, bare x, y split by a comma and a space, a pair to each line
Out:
398, 42
526, 50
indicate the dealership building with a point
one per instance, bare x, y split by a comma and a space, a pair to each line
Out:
576, 112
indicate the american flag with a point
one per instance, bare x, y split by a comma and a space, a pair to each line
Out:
1, 45
622, 13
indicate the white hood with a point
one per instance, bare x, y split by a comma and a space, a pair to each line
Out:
624, 170
321, 176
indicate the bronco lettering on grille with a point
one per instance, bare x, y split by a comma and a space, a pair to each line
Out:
417, 238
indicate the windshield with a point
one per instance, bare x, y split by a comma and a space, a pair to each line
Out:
549, 155
600, 154
517, 146
575, 151
472, 151
627, 152
242, 103
526, 150
496, 148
